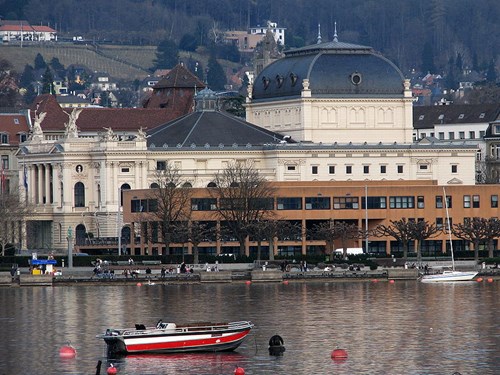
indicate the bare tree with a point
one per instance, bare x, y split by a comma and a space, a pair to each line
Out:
13, 213
270, 230
332, 230
476, 231
195, 232
173, 197
423, 230
401, 230
245, 197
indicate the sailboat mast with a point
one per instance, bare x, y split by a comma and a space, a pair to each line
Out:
449, 229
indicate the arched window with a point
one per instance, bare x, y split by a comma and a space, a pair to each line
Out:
123, 187
80, 233
187, 185
234, 184
154, 185
79, 194
211, 184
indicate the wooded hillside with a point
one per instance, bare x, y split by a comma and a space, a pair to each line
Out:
399, 29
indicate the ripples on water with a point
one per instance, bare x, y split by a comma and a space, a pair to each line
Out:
401, 328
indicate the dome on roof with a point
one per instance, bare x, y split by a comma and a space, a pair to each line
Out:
334, 69
206, 100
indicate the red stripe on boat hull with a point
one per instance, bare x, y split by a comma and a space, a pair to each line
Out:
206, 344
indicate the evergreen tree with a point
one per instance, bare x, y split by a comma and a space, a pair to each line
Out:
188, 43
40, 62
491, 74
57, 67
27, 77
216, 78
475, 63
428, 59
167, 55
47, 82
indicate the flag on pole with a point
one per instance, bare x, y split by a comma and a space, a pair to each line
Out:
3, 179
25, 172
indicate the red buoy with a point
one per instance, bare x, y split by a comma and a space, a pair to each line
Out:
239, 371
112, 370
67, 351
490, 280
374, 281
139, 284
285, 282
339, 354
248, 282
391, 281
479, 279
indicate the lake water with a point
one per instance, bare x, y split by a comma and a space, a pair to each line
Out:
401, 328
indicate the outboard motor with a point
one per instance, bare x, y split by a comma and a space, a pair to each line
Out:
276, 345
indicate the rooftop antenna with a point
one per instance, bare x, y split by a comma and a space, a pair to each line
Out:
319, 33
335, 36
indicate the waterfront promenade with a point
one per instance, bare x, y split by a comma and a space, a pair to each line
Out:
227, 273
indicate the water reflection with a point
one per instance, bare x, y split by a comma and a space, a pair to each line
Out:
401, 328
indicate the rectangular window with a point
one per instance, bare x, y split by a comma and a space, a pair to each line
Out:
420, 202
423, 167
439, 201
345, 203
482, 133
441, 136
454, 168
494, 201
466, 201
161, 165
5, 161
383, 169
461, 135
348, 169
314, 169
261, 203
475, 201
317, 203
449, 201
203, 204
5, 138
135, 205
125, 170
290, 168
400, 169
331, 169
289, 203
374, 202
439, 223
366, 169
472, 134
401, 202
451, 135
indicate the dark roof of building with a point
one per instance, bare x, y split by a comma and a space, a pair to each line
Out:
425, 117
71, 99
334, 69
210, 128
95, 119
179, 77
13, 124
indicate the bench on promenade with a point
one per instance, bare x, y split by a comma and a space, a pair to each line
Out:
151, 262
123, 263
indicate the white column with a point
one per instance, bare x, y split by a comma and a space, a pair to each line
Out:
39, 184
47, 183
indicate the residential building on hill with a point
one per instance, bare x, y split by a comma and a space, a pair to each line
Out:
20, 31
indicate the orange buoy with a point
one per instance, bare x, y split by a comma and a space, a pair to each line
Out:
490, 280
112, 370
67, 351
285, 282
479, 279
239, 371
391, 281
248, 282
339, 354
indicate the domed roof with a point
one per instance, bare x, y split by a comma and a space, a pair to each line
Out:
334, 69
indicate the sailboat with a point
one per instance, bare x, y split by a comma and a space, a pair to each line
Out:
452, 274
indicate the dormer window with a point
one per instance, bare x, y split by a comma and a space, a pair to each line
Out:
279, 80
461, 116
4, 137
482, 115
16, 121
265, 81
441, 117
421, 117
293, 78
